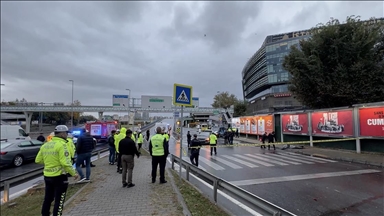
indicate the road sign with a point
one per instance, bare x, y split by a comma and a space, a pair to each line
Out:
182, 95
178, 130
216, 112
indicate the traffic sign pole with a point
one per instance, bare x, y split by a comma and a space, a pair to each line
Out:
181, 141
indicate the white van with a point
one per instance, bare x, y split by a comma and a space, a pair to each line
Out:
13, 132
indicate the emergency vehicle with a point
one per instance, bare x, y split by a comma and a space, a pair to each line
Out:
100, 130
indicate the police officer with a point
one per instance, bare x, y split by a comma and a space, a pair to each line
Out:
213, 143
71, 147
195, 150
158, 149
57, 164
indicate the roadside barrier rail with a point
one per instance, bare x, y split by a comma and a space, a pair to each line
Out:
258, 204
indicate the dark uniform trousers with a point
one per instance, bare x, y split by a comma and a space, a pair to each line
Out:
55, 189
161, 161
119, 162
194, 157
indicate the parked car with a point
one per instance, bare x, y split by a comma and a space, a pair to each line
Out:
16, 152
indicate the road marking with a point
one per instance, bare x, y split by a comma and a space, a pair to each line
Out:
268, 160
186, 159
234, 166
211, 164
292, 159
278, 159
231, 199
240, 161
302, 177
311, 157
253, 160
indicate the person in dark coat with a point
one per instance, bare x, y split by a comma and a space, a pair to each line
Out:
263, 139
195, 150
41, 138
271, 139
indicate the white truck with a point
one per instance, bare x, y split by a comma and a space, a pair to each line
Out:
13, 132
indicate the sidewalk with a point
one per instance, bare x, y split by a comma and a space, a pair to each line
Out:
374, 159
106, 196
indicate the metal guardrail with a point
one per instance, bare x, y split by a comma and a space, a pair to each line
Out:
258, 204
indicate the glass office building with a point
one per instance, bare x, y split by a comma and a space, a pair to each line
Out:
264, 81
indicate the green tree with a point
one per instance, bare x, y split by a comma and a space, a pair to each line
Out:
76, 115
224, 100
340, 65
84, 118
240, 108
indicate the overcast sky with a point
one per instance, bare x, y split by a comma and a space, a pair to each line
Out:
107, 47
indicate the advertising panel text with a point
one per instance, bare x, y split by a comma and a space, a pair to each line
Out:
372, 122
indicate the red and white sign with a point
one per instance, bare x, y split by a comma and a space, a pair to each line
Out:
295, 124
335, 123
372, 122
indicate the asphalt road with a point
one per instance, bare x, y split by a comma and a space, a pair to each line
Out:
8, 172
300, 184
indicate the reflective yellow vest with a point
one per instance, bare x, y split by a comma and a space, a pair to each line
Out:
157, 142
55, 157
140, 138
212, 139
166, 136
71, 147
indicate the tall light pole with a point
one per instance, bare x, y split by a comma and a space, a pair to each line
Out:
73, 84
129, 98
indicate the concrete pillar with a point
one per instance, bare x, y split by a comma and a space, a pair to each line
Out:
309, 117
357, 129
28, 118
101, 115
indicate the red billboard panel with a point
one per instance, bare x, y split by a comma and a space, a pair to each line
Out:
334, 123
295, 124
372, 121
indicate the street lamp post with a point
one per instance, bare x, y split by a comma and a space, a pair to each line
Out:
129, 98
73, 83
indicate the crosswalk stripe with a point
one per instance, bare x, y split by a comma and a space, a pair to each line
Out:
301, 157
310, 157
240, 161
292, 159
268, 160
189, 161
211, 164
232, 165
278, 159
253, 160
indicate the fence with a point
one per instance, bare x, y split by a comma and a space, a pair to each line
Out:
258, 204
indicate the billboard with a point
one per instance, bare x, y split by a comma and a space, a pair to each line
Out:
334, 123
247, 124
156, 102
242, 124
295, 124
120, 100
195, 103
265, 124
372, 122
236, 123
253, 125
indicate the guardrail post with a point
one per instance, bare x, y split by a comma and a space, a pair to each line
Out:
215, 186
187, 172
173, 162
98, 155
6, 192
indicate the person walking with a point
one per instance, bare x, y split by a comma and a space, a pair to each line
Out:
271, 139
195, 150
140, 140
213, 143
122, 135
55, 157
189, 140
158, 149
263, 138
84, 148
112, 149
127, 150
148, 135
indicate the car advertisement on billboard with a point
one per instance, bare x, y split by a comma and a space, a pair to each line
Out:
254, 125
334, 123
242, 124
265, 124
372, 122
295, 124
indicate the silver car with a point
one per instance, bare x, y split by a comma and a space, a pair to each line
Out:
16, 152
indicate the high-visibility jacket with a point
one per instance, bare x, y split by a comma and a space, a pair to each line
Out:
212, 139
166, 136
157, 142
55, 157
133, 138
119, 137
134, 135
140, 138
71, 147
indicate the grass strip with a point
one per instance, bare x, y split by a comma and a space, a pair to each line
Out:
197, 203
30, 203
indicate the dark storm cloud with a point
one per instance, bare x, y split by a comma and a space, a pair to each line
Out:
107, 47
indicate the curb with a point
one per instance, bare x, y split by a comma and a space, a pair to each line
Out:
180, 198
380, 165
75, 195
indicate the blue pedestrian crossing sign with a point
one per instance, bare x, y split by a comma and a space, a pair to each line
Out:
182, 95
